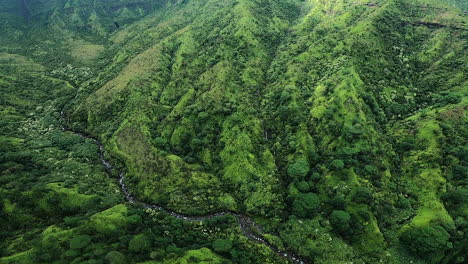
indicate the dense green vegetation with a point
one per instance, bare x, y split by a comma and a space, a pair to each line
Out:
340, 126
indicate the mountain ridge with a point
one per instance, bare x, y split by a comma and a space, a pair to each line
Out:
339, 126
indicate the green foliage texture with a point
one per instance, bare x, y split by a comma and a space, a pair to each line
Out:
340, 126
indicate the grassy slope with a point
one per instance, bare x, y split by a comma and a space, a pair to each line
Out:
208, 103
328, 92
54, 188
154, 103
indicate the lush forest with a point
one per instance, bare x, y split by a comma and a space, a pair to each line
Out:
340, 127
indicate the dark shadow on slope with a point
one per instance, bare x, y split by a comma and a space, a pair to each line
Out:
25, 11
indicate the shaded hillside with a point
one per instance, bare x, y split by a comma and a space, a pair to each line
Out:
340, 126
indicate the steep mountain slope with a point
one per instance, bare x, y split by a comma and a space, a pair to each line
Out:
155, 87
340, 126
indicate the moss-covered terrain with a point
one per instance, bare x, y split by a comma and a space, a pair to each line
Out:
339, 126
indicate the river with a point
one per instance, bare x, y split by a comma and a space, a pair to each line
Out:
246, 223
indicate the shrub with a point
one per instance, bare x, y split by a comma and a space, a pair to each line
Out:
115, 257
315, 176
305, 205
139, 243
427, 242
79, 242
71, 253
455, 198
222, 245
303, 186
340, 221
285, 96
337, 164
363, 195
370, 170
337, 203
299, 169
459, 172
161, 143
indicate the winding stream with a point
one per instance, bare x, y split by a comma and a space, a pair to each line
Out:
246, 223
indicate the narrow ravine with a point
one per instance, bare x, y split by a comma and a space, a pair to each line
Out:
246, 223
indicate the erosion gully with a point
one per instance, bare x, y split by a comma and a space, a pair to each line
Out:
246, 223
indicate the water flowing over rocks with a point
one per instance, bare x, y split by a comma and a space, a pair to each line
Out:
246, 223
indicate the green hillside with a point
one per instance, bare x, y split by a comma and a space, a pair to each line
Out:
339, 126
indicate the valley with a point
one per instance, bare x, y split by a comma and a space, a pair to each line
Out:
233, 131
